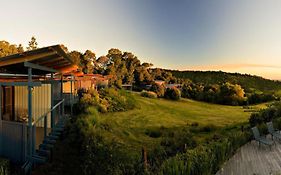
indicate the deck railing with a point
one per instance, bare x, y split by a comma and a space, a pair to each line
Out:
39, 132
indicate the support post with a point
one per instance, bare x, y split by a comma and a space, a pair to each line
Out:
0, 118
62, 109
52, 101
30, 138
33, 138
71, 95
45, 126
0, 102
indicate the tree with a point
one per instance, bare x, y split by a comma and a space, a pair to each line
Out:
88, 61
8, 49
32, 44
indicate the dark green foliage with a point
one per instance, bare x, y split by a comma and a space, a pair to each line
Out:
227, 93
255, 98
205, 159
266, 115
172, 93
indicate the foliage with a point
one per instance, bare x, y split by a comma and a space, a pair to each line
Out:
227, 93
149, 94
86, 61
32, 44
246, 81
8, 49
172, 93
265, 115
205, 159
107, 100
158, 89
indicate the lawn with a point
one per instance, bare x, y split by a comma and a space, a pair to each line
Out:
129, 128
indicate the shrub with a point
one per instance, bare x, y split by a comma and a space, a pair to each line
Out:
173, 93
266, 115
149, 94
158, 89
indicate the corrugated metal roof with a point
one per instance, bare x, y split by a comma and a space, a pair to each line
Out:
53, 57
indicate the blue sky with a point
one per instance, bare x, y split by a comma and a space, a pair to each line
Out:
230, 35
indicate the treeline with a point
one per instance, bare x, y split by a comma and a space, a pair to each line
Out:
250, 83
126, 68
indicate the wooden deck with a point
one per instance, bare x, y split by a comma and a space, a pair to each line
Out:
250, 160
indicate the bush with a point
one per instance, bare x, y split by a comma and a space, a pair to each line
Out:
173, 93
149, 94
158, 89
108, 100
266, 115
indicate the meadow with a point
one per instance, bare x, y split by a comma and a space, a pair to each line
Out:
130, 127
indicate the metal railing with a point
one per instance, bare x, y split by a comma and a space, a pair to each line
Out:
39, 132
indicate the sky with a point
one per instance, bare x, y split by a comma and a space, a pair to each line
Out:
229, 35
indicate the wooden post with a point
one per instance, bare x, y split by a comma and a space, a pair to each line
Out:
144, 158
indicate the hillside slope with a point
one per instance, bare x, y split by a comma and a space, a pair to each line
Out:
248, 82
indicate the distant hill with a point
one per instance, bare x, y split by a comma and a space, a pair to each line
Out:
248, 82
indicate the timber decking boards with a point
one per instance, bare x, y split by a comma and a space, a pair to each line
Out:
252, 160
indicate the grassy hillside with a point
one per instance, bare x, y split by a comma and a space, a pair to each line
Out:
130, 128
248, 82
152, 123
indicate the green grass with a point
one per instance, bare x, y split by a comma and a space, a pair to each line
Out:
129, 128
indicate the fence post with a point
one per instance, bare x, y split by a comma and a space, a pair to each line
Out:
144, 158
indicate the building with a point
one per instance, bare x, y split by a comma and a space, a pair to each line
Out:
32, 104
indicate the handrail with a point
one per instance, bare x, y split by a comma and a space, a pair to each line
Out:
53, 108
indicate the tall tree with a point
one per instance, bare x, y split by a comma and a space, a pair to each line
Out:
32, 44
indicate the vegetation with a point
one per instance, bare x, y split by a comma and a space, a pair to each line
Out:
249, 83
273, 112
107, 100
126, 68
172, 133
172, 93
149, 94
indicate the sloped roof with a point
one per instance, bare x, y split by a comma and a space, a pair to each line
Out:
51, 57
